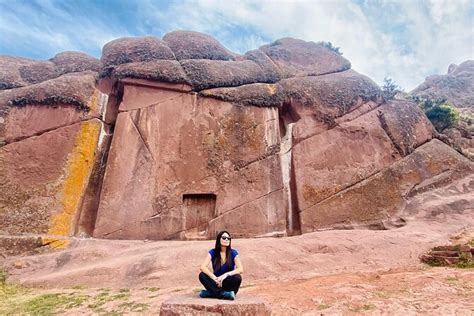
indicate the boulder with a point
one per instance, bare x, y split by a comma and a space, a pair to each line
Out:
135, 49
315, 102
296, 57
457, 87
382, 197
20, 72
205, 74
10, 75
272, 72
54, 103
67, 62
156, 70
336, 159
189, 304
461, 140
406, 125
195, 45
257, 94
37, 72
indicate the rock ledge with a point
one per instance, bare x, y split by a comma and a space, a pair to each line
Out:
191, 304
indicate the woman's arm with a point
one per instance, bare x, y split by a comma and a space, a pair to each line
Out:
204, 267
239, 268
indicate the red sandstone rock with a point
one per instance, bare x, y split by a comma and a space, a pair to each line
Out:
38, 72
205, 74
406, 125
75, 89
315, 102
251, 152
35, 176
67, 62
461, 140
193, 305
257, 94
457, 86
296, 57
19, 72
336, 159
62, 101
50, 141
195, 45
10, 76
157, 70
16, 245
272, 72
226, 153
383, 195
135, 49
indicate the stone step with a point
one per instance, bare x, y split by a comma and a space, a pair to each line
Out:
192, 304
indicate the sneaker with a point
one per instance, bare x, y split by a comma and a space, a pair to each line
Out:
228, 295
205, 294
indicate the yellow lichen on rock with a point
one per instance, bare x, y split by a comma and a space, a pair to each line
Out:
78, 169
93, 103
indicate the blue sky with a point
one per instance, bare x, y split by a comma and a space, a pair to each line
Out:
404, 40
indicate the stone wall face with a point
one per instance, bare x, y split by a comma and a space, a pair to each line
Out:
377, 200
184, 166
47, 158
179, 138
339, 158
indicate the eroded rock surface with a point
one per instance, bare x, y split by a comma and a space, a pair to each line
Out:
178, 138
457, 88
193, 305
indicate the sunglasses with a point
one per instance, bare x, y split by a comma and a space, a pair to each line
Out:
225, 238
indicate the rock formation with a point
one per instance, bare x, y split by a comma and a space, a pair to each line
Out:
192, 305
178, 138
457, 88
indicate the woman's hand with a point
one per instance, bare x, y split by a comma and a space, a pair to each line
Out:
220, 279
216, 279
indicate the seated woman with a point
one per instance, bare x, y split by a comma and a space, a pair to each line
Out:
224, 281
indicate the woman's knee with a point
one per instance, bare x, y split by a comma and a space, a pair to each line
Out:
237, 278
202, 276
233, 280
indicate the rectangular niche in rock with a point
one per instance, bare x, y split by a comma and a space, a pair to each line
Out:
199, 209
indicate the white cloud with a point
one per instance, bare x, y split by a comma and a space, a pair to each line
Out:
43, 28
405, 40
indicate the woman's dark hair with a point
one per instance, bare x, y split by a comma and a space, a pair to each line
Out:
217, 251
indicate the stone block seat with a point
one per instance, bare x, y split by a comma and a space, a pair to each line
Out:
192, 304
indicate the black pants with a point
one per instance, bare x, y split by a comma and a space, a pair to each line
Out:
231, 283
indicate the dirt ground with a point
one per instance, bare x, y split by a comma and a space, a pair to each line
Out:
428, 291
334, 272
422, 291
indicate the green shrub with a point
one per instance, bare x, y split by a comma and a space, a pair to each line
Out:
465, 261
443, 116
389, 88
331, 47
